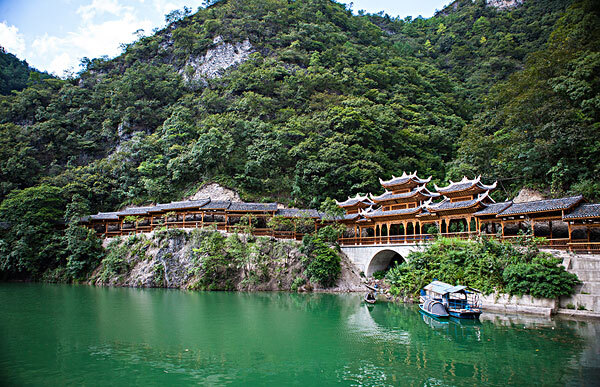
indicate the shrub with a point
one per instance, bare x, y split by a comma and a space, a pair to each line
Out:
487, 265
542, 277
321, 263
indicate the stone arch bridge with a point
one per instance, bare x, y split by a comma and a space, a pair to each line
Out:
373, 258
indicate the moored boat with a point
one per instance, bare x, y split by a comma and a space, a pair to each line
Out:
370, 298
440, 299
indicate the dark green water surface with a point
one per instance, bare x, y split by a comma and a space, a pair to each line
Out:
81, 335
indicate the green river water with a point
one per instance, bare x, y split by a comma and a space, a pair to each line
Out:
83, 335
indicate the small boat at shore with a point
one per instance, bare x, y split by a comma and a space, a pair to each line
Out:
443, 300
370, 298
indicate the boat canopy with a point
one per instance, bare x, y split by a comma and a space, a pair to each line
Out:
442, 288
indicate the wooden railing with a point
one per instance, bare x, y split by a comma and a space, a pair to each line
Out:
555, 243
590, 247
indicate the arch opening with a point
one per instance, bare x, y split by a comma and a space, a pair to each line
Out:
383, 261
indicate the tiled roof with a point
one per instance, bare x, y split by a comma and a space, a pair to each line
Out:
180, 205
464, 184
405, 178
379, 212
355, 200
493, 209
541, 206
351, 216
298, 213
240, 206
390, 196
105, 216
584, 211
446, 204
217, 205
135, 211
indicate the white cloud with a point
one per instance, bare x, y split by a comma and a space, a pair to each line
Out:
100, 7
89, 40
12, 40
165, 6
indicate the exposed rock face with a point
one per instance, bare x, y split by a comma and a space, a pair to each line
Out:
172, 259
217, 59
528, 195
504, 4
216, 192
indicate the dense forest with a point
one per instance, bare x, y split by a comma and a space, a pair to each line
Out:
324, 103
15, 74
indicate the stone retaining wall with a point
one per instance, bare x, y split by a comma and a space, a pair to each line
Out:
519, 304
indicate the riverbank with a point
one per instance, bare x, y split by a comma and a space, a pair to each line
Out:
212, 260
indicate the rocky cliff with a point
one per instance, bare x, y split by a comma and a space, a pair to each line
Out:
211, 260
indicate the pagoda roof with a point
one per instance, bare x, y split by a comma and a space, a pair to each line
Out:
584, 211
422, 190
464, 185
447, 205
252, 207
404, 179
105, 216
370, 213
352, 201
351, 216
547, 205
493, 209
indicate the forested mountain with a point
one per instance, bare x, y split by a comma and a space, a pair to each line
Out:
16, 74
296, 101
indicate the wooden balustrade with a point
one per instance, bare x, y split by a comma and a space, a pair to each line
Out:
556, 243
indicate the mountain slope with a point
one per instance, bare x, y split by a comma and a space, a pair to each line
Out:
297, 101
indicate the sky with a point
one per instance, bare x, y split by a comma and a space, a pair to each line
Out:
53, 35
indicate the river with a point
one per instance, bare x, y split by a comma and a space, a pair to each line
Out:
84, 335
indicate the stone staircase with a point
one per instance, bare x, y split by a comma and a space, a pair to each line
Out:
587, 268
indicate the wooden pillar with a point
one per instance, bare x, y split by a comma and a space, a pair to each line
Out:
502, 225
183, 223
550, 227
532, 225
468, 224
570, 238
587, 230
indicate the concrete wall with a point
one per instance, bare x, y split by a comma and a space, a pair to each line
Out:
370, 259
519, 304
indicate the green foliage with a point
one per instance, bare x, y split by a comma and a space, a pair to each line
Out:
487, 265
542, 277
115, 263
539, 127
321, 262
31, 245
326, 104
212, 264
16, 74
379, 274
331, 233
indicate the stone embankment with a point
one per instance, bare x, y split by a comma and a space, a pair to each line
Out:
584, 303
586, 300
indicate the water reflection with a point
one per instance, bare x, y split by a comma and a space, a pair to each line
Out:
56, 335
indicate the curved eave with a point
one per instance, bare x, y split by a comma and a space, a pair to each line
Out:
404, 181
419, 194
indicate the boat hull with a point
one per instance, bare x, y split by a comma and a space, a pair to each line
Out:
439, 312
469, 315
